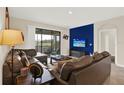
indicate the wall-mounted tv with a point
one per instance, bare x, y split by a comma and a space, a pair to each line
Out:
79, 43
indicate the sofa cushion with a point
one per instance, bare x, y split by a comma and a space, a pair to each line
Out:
81, 58
66, 70
97, 57
84, 61
68, 67
17, 65
29, 52
7, 74
60, 63
24, 59
105, 54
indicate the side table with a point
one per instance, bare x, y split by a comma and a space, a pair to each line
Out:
27, 80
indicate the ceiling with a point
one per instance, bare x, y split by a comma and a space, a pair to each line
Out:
66, 16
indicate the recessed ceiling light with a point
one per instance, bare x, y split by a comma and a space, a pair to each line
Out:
70, 12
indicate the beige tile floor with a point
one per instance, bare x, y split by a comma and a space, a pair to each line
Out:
116, 77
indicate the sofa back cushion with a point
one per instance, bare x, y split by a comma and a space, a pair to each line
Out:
66, 70
84, 61
29, 52
60, 63
97, 57
105, 54
6, 74
24, 59
17, 65
69, 67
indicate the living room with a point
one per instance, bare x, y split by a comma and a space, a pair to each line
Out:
65, 35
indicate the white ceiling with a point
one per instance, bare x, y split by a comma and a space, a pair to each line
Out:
60, 16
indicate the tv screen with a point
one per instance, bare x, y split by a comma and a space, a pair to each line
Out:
79, 43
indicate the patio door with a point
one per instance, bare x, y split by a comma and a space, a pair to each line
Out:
47, 41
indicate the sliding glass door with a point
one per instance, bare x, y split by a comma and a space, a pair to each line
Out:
55, 43
38, 42
46, 44
47, 41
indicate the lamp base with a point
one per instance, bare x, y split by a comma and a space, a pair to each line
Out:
12, 76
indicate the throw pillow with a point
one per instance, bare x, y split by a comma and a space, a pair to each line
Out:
24, 59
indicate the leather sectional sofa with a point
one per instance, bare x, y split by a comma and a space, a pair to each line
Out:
88, 70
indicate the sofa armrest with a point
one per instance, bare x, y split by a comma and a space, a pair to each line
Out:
56, 75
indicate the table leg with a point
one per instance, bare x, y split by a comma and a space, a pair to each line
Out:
46, 62
51, 60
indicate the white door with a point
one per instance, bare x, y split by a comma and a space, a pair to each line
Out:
105, 45
108, 41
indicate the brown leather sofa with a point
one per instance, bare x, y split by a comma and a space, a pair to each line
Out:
20, 61
88, 71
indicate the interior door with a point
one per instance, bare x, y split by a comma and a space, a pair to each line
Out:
108, 42
105, 45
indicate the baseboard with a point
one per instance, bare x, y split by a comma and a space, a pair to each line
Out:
119, 65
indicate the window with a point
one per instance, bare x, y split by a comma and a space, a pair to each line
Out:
47, 41
38, 42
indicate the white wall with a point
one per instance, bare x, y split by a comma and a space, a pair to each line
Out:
28, 28
3, 49
112, 42
114, 23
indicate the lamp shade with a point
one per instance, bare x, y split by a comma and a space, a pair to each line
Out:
11, 37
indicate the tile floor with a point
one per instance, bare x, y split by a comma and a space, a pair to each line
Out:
116, 77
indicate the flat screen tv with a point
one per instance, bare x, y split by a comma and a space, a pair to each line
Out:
79, 43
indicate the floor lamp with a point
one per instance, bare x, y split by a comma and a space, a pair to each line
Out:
11, 38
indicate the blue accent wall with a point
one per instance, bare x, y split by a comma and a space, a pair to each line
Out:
83, 32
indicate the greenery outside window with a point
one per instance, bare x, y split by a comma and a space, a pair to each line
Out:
47, 41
